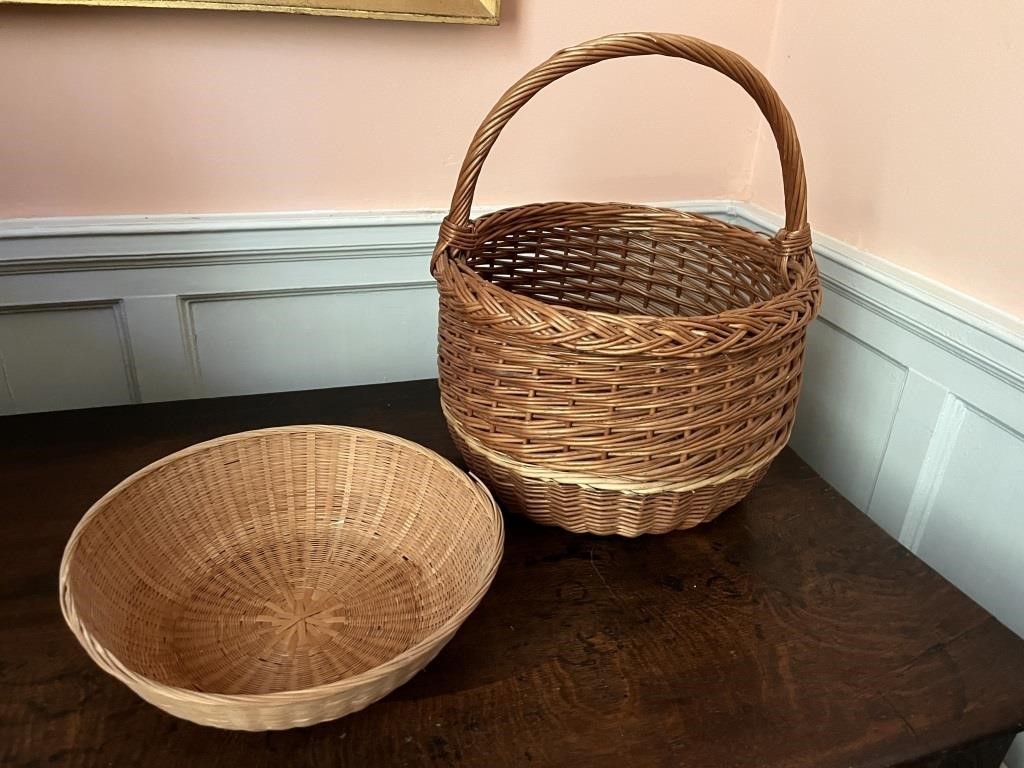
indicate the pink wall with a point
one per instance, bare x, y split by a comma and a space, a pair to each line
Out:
911, 116
114, 111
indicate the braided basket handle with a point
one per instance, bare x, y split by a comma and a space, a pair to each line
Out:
455, 228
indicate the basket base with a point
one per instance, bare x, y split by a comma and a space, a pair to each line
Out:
291, 615
585, 509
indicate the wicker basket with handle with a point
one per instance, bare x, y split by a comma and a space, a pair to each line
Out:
617, 368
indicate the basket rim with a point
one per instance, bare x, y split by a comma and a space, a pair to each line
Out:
708, 333
118, 669
670, 213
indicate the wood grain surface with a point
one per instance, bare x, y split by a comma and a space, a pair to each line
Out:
790, 632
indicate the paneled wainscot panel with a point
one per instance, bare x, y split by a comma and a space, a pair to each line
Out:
849, 398
64, 355
309, 338
972, 527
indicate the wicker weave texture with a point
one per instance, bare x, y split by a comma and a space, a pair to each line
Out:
280, 577
619, 368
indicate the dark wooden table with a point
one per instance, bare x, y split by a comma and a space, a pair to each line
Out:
790, 632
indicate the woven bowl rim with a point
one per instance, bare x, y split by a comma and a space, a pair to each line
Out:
118, 669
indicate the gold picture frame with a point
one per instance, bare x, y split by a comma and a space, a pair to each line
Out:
445, 11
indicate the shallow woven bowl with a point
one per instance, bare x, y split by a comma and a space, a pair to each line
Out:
280, 577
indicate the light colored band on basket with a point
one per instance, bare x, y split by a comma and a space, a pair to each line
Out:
605, 483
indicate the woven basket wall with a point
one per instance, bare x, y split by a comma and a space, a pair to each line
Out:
615, 368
